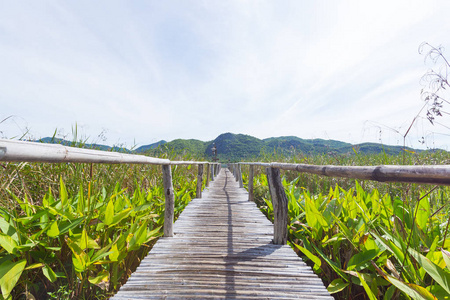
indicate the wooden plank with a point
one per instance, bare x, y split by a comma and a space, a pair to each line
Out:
222, 249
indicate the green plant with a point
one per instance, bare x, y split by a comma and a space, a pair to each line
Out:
88, 235
365, 243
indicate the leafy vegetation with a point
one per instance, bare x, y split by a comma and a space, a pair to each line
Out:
77, 231
368, 240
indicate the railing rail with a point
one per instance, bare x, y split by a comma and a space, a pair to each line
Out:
20, 151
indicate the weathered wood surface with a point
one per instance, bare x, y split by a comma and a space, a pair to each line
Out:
427, 174
11, 150
18, 151
198, 192
280, 206
169, 206
222, 249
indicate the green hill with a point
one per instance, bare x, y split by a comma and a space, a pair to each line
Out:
148, 147
238, 147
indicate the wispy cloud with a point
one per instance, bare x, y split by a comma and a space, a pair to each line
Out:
150, 70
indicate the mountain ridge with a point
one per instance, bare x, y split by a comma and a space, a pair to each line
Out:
235, 147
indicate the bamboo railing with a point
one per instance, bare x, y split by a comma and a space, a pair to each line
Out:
425, 174
20, 151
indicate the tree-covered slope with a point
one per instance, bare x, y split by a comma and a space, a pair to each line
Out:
239, 147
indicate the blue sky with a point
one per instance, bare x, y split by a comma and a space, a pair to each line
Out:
141, 71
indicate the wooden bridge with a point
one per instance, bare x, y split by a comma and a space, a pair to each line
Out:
222, 248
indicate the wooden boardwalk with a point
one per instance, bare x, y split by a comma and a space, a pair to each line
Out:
222, 249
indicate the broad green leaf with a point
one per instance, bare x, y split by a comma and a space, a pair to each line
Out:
48, 272
423, 213
142, 207
7, 228
337, 285
314, 218
80, 262
10, 273
8, 243
120, 216
67, 225
153, 234
367, 288
74, 246
446, 256
102, 276
99, 255
80, 204
437, 273
390, 246
53, 231
389, 294
109, 213
63, 194
114, 255
438, 291
414, 291
311, 256
361, 259
35, 266
84, 239
396, 245
332, 264
139, 237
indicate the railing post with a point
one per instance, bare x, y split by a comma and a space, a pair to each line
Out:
207, 174
280, 206
239, 171
212, 172
250, 183
199, 181
170, 201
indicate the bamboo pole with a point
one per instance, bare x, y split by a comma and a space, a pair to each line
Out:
17, 151
170, 201
426, 174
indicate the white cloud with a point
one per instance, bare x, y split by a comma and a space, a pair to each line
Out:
166, 70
